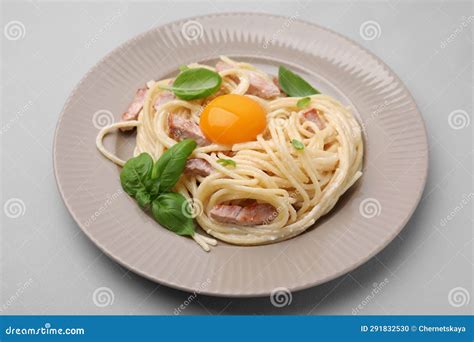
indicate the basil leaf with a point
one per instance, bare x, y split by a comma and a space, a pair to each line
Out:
168, 210
183, 67
293, 85
304, 102
297, 144
171, 164
196, 83
227, 162
136, 173
153, 187
144, 199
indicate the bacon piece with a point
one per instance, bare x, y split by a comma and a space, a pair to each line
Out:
250, 215
163, 97
259, 86
181, 128
134, 108
197, 167
225, 213
243, 202
314, 115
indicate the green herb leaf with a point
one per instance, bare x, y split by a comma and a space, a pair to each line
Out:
196, 83
227, 162
169, 211
135, 176
146, 183
304, 102
136, 180
144, 199
297, 144
171, 164
293, 85
183, 68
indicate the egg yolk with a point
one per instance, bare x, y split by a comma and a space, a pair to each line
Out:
231, 119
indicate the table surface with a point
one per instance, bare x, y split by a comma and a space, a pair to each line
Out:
50, 267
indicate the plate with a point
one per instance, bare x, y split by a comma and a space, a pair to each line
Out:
364, 221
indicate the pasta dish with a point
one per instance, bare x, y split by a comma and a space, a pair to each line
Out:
252, 158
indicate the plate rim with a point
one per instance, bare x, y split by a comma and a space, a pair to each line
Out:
347, 269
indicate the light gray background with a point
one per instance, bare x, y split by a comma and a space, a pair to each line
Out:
48, 266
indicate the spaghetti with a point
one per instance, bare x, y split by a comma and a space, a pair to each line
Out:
300, 184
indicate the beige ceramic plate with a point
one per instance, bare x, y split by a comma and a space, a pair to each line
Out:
365, 220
